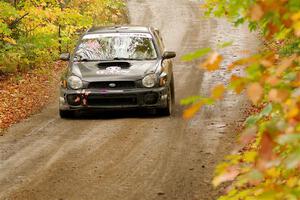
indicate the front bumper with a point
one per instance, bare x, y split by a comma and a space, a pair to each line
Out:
113, 99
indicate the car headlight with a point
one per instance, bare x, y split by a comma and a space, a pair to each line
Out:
149, 81
75, 82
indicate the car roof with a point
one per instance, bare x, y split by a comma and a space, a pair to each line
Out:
119, 29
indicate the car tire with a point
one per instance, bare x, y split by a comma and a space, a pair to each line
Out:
173, 90
66, 114
167, 111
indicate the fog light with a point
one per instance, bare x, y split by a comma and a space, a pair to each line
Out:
74, 99
150, 98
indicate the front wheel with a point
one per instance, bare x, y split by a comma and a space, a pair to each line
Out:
167, 111
66, 114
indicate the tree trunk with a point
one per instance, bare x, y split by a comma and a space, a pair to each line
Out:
61, 5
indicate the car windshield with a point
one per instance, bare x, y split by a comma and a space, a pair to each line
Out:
116, 46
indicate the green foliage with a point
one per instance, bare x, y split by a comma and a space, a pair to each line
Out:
197, 54
233, 9
267, 164
291, 47
33, 33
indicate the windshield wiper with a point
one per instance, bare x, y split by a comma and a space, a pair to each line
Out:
116, 58
87, 60
120, 58
79, 58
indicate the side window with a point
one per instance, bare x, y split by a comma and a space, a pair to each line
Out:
159, 39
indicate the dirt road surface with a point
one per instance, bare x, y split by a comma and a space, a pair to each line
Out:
131, 156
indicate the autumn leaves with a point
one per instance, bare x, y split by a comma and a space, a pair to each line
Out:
267, 163
255, 92
288, 19
272, 77
34, 33
212, 63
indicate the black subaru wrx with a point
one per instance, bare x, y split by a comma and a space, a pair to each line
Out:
118, 67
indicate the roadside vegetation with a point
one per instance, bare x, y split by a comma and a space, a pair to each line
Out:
33, 33
32, 36
266, 162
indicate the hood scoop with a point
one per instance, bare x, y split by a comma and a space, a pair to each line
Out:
122, 65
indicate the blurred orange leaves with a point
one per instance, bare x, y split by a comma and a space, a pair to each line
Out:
212, 62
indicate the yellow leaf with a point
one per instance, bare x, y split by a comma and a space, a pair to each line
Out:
191, 111
238, 83
9, 40
218, 92
272, 80
250, 156
230, 174
296, 83
293, 112
255, 92
285, 64
296, 16
292, 182
266, 63
278, 96
296, 27
241, 62
273, 172
291, 108
248, 135
256, 12
213, 62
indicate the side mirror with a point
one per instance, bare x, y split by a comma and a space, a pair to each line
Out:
169, 55
65, 56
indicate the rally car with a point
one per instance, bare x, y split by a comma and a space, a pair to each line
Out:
118, 67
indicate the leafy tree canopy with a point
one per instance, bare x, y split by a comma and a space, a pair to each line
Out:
267, 162
33, 32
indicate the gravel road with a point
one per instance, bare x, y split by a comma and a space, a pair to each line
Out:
132, 156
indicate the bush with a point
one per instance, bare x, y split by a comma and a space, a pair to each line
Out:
33, 33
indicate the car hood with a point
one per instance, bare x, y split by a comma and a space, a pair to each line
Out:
114, 70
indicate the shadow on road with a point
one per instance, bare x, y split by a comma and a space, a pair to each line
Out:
117, 114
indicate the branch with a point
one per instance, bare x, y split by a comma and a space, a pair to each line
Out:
15, 22
35, 27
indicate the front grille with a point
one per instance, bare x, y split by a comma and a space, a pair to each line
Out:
100, 100
112, 85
